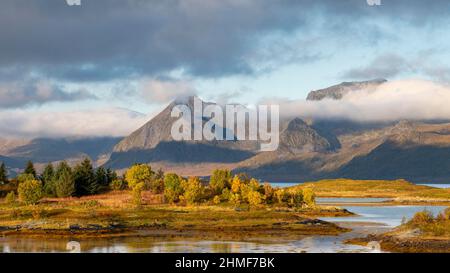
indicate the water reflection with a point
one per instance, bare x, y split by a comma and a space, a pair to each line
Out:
128, 245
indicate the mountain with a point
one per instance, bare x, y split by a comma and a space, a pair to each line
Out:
337, 92
153, 143
311, 149
15, 152
308, 149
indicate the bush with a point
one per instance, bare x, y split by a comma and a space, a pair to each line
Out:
157, 185
309, 197
25, 177
137, 194
236, 184
220, 179
422, 217
226, 194
117, 185
10, 198
269, 193
254, 198
446, 213
281, 196
193, 190
216, 200
30, 191
235, 199
296, 198
173, 188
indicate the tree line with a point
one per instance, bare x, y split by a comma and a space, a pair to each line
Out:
61, 180
222, 187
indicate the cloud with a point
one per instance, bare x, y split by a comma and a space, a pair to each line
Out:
209, 39
383, 66
391, 101
390, 65
87, 123
165, 90
16, 94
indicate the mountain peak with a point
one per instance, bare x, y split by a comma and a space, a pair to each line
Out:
338, 91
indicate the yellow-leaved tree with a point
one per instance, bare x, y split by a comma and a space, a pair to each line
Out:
138, 177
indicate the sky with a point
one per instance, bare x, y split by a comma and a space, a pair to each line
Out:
107, 66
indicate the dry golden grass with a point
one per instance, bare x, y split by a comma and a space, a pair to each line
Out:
398, 189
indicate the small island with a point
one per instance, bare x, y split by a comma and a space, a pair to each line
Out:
83, 202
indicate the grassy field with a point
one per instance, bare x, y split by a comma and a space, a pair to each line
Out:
113, 214
400, 190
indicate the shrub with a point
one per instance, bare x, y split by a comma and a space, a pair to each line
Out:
269, 193
296, 198
10, 198
137, 194
309, 197
236, 184
38, 213
254, 198
226, 194
422, 217
30, 191
216, 200
90, 204
117, 185
254, 185
193, 190
446, 213
220, 179
25, 177
172, 187
157, 185
281, 196
235, 199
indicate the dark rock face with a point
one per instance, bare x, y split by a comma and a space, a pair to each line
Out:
299, 137
337, 92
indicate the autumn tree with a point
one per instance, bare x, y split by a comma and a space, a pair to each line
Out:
137, 178
157, 182
220, 179
173, 188
193, 190
30, 191
309, 197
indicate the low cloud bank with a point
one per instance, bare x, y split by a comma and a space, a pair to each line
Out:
396, 100
90, 123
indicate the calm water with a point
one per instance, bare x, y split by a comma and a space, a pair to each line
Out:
390, 216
